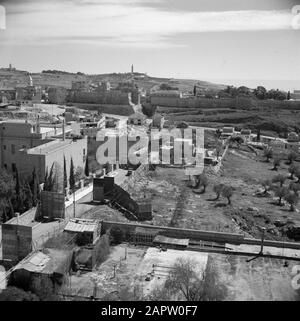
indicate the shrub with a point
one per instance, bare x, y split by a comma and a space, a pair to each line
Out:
295, 187
292, 156
292, 170
266, 184
117, 235
13, 293
279, 179
218, 190
227, 192
293, 199
276, 163
203, 181
280, 192
268, 153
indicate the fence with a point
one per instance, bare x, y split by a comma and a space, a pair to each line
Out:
40, 240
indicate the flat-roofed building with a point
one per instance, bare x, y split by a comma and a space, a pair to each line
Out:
43, 156
295, 95
16, 135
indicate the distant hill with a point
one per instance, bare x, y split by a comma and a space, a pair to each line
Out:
46, 78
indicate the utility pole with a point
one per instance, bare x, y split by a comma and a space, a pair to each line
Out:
262, 240
74, 204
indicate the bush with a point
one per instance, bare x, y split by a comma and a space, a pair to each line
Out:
227, 192
13, 293
280, 192
279, 179
218, 190
292, 198
117, 235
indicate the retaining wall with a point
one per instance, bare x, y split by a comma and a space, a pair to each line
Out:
212, 236
180, 233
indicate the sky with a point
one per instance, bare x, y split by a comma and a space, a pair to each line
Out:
234, 41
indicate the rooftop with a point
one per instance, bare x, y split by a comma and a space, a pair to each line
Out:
51, 147
48, 261
81, 225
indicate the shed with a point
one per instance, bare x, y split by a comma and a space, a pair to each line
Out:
42, 269
88, 229
143, 235
171, 242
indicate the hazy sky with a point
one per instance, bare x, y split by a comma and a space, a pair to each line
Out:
202, 39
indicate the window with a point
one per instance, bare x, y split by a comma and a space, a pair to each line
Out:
84, 152
13, 148
5, 166
4, 147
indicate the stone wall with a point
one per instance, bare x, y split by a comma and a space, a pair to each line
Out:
120, 109
238, 103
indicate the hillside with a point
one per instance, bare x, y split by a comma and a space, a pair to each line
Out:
11, 78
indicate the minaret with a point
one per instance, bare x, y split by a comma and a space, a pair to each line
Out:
132, 70
30, 80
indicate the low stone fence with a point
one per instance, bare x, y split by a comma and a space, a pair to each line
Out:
179, 232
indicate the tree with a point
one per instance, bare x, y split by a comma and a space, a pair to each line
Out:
20, 197
297, 173
292, 156
218, 190
72, 176
279, 179
79, 174
292, 170
117, 235
18, 185
295, 187
288, 97
266, 184
192, 285
276, 163
258, 135
7, 185
28, 201
46, 180
260, 92
65, 175
87, 168
227, 192
35, 188
58, 179
293, 199
51, 178
268, 153
95, 166
12, 293
280, 192
238, 140
182, 124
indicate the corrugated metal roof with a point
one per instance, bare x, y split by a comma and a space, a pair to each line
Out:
170, 240
81, 226
35, 263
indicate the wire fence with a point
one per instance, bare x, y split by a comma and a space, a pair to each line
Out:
43, 238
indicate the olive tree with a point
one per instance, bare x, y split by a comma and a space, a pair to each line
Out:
227, 192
